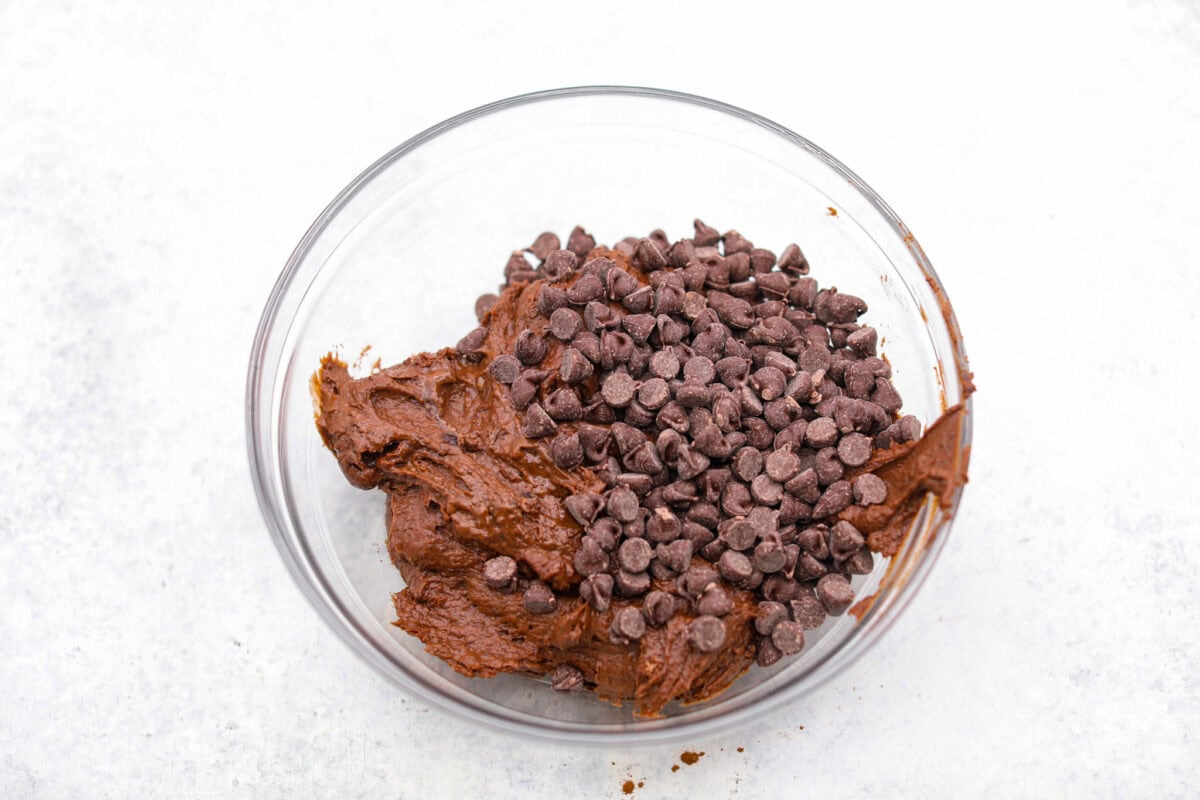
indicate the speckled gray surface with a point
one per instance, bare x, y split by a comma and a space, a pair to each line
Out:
157, 164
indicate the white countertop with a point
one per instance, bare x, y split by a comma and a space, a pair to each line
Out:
159, 161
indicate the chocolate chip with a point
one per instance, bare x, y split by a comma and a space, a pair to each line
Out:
676, 555
714, 602
538, 599
863, 341
505, 368
747, 463
733, 311
769, 557
658, 607
836, 498
638, 414
835, 593
654, 393
634, 555
484, 304
664, 364
583, 507
869, 489
595, 442
545, 244
827, 466
470, 346
575, 367
590, 558
638, 483
699, 369
662, 526
692, 395
788, 637
739, 269
758, 433
618, 389
499, 572
887, 398
792, 261
566, 679
649, 256
644, 459
736, 500
804, 486
706, 634
566, 451
627, 438
705, 236
767, 653
844, 540
735, 566
559, 264
766, 491
639, 301
580, 242
733, 370
537, 422
606, 532
769, 382
585, 289
738, 534
596, 590
622, 504
631, 584
628, 625
861, 563
833, 306
782, 465
854, 449
822, 432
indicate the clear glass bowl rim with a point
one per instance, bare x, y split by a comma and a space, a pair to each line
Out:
295, 552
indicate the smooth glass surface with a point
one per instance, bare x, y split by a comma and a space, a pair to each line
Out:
398, 259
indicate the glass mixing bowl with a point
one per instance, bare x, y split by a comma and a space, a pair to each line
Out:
397, 260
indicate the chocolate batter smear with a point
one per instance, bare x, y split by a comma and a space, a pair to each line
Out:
649, 467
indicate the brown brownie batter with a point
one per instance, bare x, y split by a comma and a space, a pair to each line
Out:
465, 485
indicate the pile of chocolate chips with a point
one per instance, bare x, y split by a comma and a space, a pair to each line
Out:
721, 405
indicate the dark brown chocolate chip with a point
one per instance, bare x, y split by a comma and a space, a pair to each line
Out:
564, 404
735, 566
835, 593
783, 465
767, 653
470, 346
769, 382
773, 284
767, 615
779, 588
634, 555
639, 327
664, 364
692, 395
590, 558
565, 323
622, 504
639, 301
575, 367
505, 368
545, 244
815, 540
585, 289
584, 507
566, 679
747, 463
886, 396
537, 422
596, 590
766, 491
727, 413
484, 304
658, 607
580, 242
566, 451
518, 270
863, 341
808, 568
822, 432
869, 489
644, 460
676, 555
628, 625
833, 306
530, 348
854, 449
538, 599
804, 486
705, 235
736, 499
844, 540
699, 369
836, 498
499, 572
638, 483
733, 311
807, 611
559, 264
736, 243
631, 584
598, 317
627, 438
606, 532
828, 467
650, 256
792, 261
861, 563
618, 389
733, 370
769, 557
788, 637
706, 634
714, 602
738, 534
761, 260
654, 393
739, 270
595, 442
662, 526
638, 414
